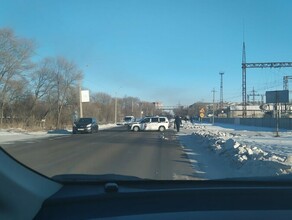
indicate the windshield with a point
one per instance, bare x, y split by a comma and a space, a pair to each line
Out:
172, 90
85, 120
127, 119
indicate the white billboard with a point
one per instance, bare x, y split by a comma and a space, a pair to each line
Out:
85, 96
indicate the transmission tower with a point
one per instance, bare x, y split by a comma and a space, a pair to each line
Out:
221, 91
255, 65
243, 81
253, 94
285, 82
213, 91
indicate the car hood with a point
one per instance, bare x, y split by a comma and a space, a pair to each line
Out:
82, 124
89, 178
117, 177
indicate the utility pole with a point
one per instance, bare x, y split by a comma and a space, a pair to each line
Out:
80, 100
213, 91
285, 82
116, 108
243, 66
253, 94
116, 105
221, 91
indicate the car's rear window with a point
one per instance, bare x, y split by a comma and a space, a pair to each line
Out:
128, 118
162, 119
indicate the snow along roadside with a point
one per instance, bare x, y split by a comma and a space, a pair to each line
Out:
11, 135
218, 152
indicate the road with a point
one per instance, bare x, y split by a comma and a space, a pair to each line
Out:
151, 155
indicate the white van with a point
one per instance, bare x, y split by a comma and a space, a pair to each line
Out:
156, 123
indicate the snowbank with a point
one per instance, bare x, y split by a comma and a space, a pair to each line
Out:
239, 151
8, 136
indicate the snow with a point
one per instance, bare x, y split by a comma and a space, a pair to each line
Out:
9, 136
227, 151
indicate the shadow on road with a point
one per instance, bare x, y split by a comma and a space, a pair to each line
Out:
61, 131
115, 129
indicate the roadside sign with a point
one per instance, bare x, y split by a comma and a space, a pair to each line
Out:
85, 96
280, 96
202, 110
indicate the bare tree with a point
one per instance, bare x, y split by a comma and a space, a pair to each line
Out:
16, 92
41, 84
48, 89
66, 77
131, 106
102, 105
101, 98
15, 54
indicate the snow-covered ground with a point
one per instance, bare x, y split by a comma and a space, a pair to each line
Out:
8, 136
223, 151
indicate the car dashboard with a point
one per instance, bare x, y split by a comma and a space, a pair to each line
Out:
145, 199
25, 194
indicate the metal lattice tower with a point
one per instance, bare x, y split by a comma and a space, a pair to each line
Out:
253, 94
213, 114
256, 65
221, 91
243, 81
285, 82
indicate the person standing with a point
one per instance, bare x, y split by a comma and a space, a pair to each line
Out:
177, 122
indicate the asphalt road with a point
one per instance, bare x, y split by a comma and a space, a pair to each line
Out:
151, 155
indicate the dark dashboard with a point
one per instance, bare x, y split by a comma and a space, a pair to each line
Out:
146, 199
25, 194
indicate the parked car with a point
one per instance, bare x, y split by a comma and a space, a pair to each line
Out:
85, 125
156, 123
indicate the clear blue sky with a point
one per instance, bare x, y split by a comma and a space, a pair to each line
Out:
160, 50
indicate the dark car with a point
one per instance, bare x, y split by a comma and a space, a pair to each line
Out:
85, 125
